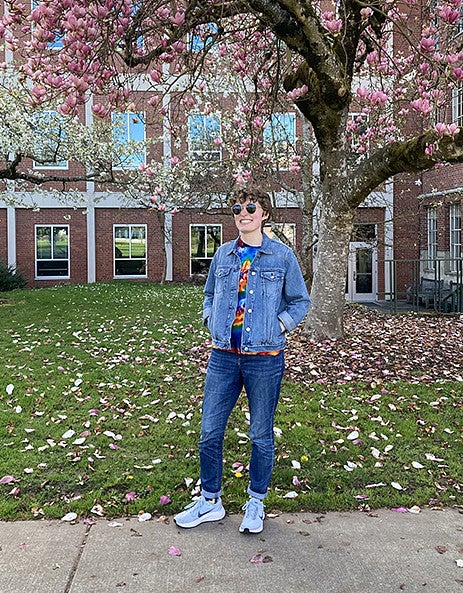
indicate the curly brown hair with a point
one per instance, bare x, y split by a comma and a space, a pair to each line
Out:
254, 194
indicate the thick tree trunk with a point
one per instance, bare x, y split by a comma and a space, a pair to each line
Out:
325, 317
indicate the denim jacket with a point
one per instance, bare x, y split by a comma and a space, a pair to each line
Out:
276, 292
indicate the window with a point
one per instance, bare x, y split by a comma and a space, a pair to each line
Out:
129, 250
280, 228
52, 251
204, 138
432, 237
455, 235
205, 239
54, 40
280, 137
203, 38
128, 132
49, 141
457, 104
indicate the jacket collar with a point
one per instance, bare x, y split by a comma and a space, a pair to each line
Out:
266, 246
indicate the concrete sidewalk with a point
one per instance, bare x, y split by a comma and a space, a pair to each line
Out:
302, 553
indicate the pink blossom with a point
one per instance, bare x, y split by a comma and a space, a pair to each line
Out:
365, 13
440, 128
362, 92
448, 14
424, 68
427, 45
378, 98
297, 93
155, 75
130, 496
422, 106
173, 551
162, 13
174, 161
458, 73
334, 26
6, 479
178, 19
429, 149
372, 58
453, 58
100, 110
164, 500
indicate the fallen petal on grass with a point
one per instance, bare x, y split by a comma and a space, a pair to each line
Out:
396, 485
7, 479
69, 517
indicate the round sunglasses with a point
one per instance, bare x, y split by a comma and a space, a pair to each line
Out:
251, 208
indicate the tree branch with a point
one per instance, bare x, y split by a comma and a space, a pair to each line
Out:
412, 156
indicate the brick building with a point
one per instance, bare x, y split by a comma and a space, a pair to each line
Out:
400, 231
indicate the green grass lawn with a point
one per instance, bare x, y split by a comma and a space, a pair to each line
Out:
100, 396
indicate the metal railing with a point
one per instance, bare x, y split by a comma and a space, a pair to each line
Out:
424, 285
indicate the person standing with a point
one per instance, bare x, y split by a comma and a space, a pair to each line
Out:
254, 295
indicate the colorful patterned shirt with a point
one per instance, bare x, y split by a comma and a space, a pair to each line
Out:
246, 253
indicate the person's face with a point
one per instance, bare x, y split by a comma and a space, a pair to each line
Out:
249, 220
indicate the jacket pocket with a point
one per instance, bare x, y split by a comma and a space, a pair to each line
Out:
272, 282
222, 279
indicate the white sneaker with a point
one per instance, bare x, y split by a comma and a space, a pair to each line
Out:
254, 514
200, 511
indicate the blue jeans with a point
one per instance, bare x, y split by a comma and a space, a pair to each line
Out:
261, 377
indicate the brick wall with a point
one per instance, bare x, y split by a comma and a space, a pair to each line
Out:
26, 219
442, 178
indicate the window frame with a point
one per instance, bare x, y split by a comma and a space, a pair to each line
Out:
144, 259
431, 234
207, 259
59, 165
454, 235
131, 162
197, 154
270, 141
283, 227
52, 247
457, 104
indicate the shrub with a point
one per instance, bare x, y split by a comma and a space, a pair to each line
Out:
10, 278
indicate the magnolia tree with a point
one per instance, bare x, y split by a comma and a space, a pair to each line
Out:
395, 63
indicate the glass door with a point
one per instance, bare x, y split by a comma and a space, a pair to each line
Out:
361, 284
